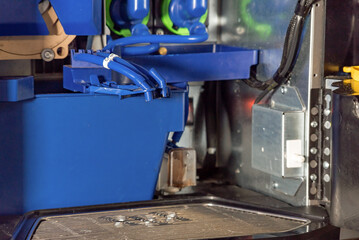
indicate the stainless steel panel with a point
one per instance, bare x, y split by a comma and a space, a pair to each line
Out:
278, 141
306, 75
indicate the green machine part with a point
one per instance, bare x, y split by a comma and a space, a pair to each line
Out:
111, 24
166, 20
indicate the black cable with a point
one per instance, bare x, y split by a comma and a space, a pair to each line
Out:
290, 51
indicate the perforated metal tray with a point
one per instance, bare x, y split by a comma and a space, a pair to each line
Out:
190, 218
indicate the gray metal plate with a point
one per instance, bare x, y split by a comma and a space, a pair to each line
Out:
186, 221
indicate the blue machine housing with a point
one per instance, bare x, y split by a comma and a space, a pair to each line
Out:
18, 17
63, 150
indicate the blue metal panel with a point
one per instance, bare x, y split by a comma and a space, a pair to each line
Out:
80, 17
16, 89
18, 17
76, 149
74, 76
188, 63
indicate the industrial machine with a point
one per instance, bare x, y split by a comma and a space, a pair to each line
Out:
178, 119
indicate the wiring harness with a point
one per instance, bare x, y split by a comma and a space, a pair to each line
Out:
290, 53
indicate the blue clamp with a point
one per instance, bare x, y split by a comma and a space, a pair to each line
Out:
86, 75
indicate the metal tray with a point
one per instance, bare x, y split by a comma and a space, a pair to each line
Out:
188, 218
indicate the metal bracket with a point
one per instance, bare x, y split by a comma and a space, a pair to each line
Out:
53, 46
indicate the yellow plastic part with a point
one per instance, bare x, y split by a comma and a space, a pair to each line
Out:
354, 82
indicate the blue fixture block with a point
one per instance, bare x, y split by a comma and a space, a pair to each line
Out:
80, 17
76, 79
65, 150
188, 63
14, 89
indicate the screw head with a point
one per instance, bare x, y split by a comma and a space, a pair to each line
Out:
313, 164
313, 137
327, 125
327, 112
313, 150
326, 165
326, 178
313, 177
283, 89
314, 124
314, 111
326, 151
47, 55
160, 31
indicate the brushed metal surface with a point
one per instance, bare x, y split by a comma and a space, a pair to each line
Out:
185, 221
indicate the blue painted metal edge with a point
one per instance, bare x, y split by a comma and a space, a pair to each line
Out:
201, 63
16, 89
184, 63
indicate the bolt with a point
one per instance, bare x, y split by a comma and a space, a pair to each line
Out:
326, 178
313, 164
47, 55
313, 150
326, 151
314, 124
326, 112
314, 111
326, 165
160, 31
313, 137
313, 177
283, 89
275, 185
327, 125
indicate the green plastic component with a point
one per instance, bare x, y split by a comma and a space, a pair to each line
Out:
123, 32
166, 19
264, 30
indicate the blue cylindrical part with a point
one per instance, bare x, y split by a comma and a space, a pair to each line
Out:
140, 50
126, 13
196, 8
138, 9
184, 13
